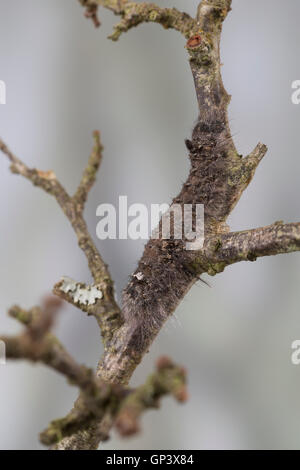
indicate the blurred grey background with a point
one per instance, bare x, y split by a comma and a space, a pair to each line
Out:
64, 79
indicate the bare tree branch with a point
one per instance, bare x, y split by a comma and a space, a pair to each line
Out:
249, 245
134, 13
97, 398
168, 380
89, 175
217, 178
72, 207
37, 344
124, 406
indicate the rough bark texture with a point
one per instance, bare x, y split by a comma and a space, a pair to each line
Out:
218, 176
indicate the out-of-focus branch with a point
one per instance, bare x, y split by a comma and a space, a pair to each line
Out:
167, 380
124, 406
134, 13
37, 344
89, 409
217, 179
89, 174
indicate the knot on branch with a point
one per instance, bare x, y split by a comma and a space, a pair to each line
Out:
134, 13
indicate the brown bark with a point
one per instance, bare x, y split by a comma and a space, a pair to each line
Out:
218, 176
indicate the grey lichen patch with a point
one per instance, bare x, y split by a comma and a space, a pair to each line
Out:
87, 295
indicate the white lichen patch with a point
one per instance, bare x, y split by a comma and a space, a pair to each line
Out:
68, 284
139, 276
83, 295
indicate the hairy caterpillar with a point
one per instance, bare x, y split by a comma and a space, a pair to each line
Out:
164, 273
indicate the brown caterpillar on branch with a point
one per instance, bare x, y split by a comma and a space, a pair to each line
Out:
164, 273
